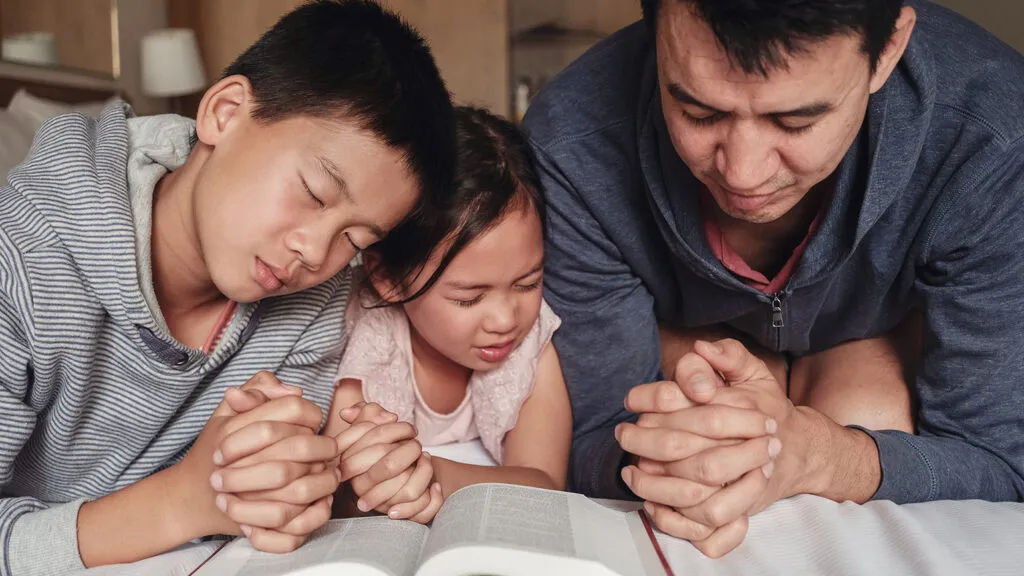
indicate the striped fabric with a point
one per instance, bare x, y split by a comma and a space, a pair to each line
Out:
94, 394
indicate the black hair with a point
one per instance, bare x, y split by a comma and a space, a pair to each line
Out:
758, 34
353, 59
494, 175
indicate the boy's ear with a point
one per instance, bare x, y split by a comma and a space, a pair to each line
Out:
385, 288
224, 105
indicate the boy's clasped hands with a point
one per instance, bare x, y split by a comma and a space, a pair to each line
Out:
260, 468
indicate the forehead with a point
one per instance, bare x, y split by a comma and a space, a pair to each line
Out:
690, 55
507, 251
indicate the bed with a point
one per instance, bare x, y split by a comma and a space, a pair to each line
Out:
30, 97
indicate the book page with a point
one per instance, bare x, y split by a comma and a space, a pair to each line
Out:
550, 522
391, 547
498, 514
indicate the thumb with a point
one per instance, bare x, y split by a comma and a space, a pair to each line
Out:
269, 385
733, 361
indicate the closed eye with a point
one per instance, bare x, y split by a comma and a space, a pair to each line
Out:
467, 303
352, 242
318, 201
529, 287
704, 120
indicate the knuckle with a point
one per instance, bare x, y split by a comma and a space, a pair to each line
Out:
709, 470
714, 515
674, 445
666, 396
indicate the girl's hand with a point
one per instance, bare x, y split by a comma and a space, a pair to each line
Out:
388, 469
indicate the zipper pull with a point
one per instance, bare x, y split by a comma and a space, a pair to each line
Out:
777, 312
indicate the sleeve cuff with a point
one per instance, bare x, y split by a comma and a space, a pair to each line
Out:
907, 473
45, 543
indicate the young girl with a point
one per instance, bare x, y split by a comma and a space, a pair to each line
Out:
460, 346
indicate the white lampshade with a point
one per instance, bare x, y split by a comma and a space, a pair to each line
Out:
171, 65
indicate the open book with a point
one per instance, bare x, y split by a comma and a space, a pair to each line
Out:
492, 529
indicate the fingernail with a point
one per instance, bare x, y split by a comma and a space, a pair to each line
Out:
437, 486
216, 481
218, 457
618, 433
701, 384
247, 530
349, 412
330, 500
774, 447
361, 505
222, 502
393, 514
337, 474
768, 469
627, 475
649, 508
771, 425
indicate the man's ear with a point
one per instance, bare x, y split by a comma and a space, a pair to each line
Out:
386, 288
894, 48
225, 105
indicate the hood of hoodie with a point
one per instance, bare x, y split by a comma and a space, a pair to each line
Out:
92, 181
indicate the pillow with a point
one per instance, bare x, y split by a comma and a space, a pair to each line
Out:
33, 110
15, 141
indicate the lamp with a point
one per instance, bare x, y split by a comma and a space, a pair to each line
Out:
171, 66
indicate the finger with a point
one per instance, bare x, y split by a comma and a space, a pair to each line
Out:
302, 447
664, 396
697, 378
666, 490
310, 519
349, 436
717, 421
383, 434
379, 494
661, 444
255, 437
375, 414
723, 464
675, 524
290, 409
403, 456
418, 483
263, 476
268, 383
303, 490
272, 541
734, 361
362, 462
725, 539
290, 537
243, 400
436, 500
729, 503
259, 513
410, 509
651, 466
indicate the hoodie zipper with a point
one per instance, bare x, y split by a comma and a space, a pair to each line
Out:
777, 322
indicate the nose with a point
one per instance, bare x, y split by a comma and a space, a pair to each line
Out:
747, 158
501, 318
313, 246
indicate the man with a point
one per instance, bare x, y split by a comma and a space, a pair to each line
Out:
835, 183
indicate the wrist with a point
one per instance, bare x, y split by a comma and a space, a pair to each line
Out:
844, 461
818, 462
188, 510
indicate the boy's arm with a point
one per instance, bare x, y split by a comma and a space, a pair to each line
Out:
536, 451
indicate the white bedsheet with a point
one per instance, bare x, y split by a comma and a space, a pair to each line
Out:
802, 535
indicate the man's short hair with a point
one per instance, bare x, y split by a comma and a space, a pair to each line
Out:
757, 35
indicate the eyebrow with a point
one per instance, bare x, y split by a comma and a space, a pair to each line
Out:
808, 111
331, 169
461, 286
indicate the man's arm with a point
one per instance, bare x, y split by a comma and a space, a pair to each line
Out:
608, 341
970, 441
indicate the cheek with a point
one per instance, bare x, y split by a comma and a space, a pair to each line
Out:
696, 147
441, 323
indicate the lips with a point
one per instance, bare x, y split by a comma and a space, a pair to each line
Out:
496, 353
266, 277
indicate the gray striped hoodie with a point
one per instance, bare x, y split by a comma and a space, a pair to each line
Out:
94, 392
